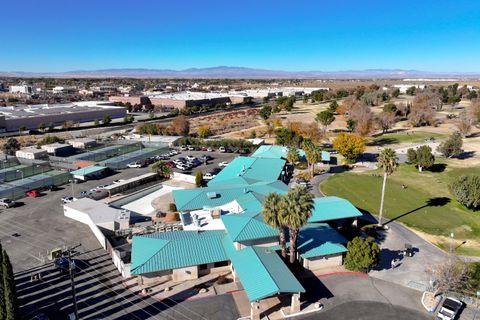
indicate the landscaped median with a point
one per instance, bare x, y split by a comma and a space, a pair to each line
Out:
421, 201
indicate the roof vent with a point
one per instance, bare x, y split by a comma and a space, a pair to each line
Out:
211, 195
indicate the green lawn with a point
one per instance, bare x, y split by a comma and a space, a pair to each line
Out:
405, 137
425, 204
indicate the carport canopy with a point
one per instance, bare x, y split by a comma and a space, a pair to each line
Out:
262, 272
88, 171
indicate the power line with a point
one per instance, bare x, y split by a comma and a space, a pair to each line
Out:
141, 297
179, 305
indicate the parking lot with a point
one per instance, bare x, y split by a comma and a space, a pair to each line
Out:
211, 166
37, 225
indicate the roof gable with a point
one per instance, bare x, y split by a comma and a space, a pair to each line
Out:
249, 170
178, 249
333, 208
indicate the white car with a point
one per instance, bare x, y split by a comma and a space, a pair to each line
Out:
191, 148
183, 148
134, 165
209, 149
7, 203
173, 152
66, 200
190, 157
182, 167
222, 149
450, 310
118, 181
209, 176
223, 164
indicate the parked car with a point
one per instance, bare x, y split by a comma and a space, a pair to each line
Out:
68, 199
223, 164
84, 194
205, 157
450, 309
183, 148
190, 157
34, 193
102, 186
135, 164
118, 181
52, 187
208, 176
7, 203
203, 148
190, 148
209, 149
182, 167
173, 152
222, 149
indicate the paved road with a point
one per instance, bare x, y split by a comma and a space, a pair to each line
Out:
40, 226
347, 296
363, 310
411, 271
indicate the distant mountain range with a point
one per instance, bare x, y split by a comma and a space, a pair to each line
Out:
242, 72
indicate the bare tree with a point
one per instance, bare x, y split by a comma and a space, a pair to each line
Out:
464, 123
362, 115
422, 111
385, 121
449, 275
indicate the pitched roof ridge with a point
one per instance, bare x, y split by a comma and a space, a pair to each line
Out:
263, 264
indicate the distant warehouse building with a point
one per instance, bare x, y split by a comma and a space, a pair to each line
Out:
82, 143
31, 153
187, 99
58, 149
13, 118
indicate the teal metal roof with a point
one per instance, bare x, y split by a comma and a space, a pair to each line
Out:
249, 170
192, 199
279, 152
275, 152
178, 249
242, 227
261, 271
88, 170
319, 239
333, 208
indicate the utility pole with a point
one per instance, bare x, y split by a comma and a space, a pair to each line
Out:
71, 266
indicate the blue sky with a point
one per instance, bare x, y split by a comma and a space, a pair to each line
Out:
64, 35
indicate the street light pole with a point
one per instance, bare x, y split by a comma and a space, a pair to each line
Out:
73, 190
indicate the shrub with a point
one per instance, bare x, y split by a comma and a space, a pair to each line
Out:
363, 254
466, 189
198, 178
451, 147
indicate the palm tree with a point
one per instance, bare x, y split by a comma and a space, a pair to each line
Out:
292, 155
273, 214
388, 161
312, 154
298, 203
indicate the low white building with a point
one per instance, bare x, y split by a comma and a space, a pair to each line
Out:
82, 143
31, 153
57, 149
23, 89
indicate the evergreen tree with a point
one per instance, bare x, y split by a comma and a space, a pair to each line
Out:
10, 298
